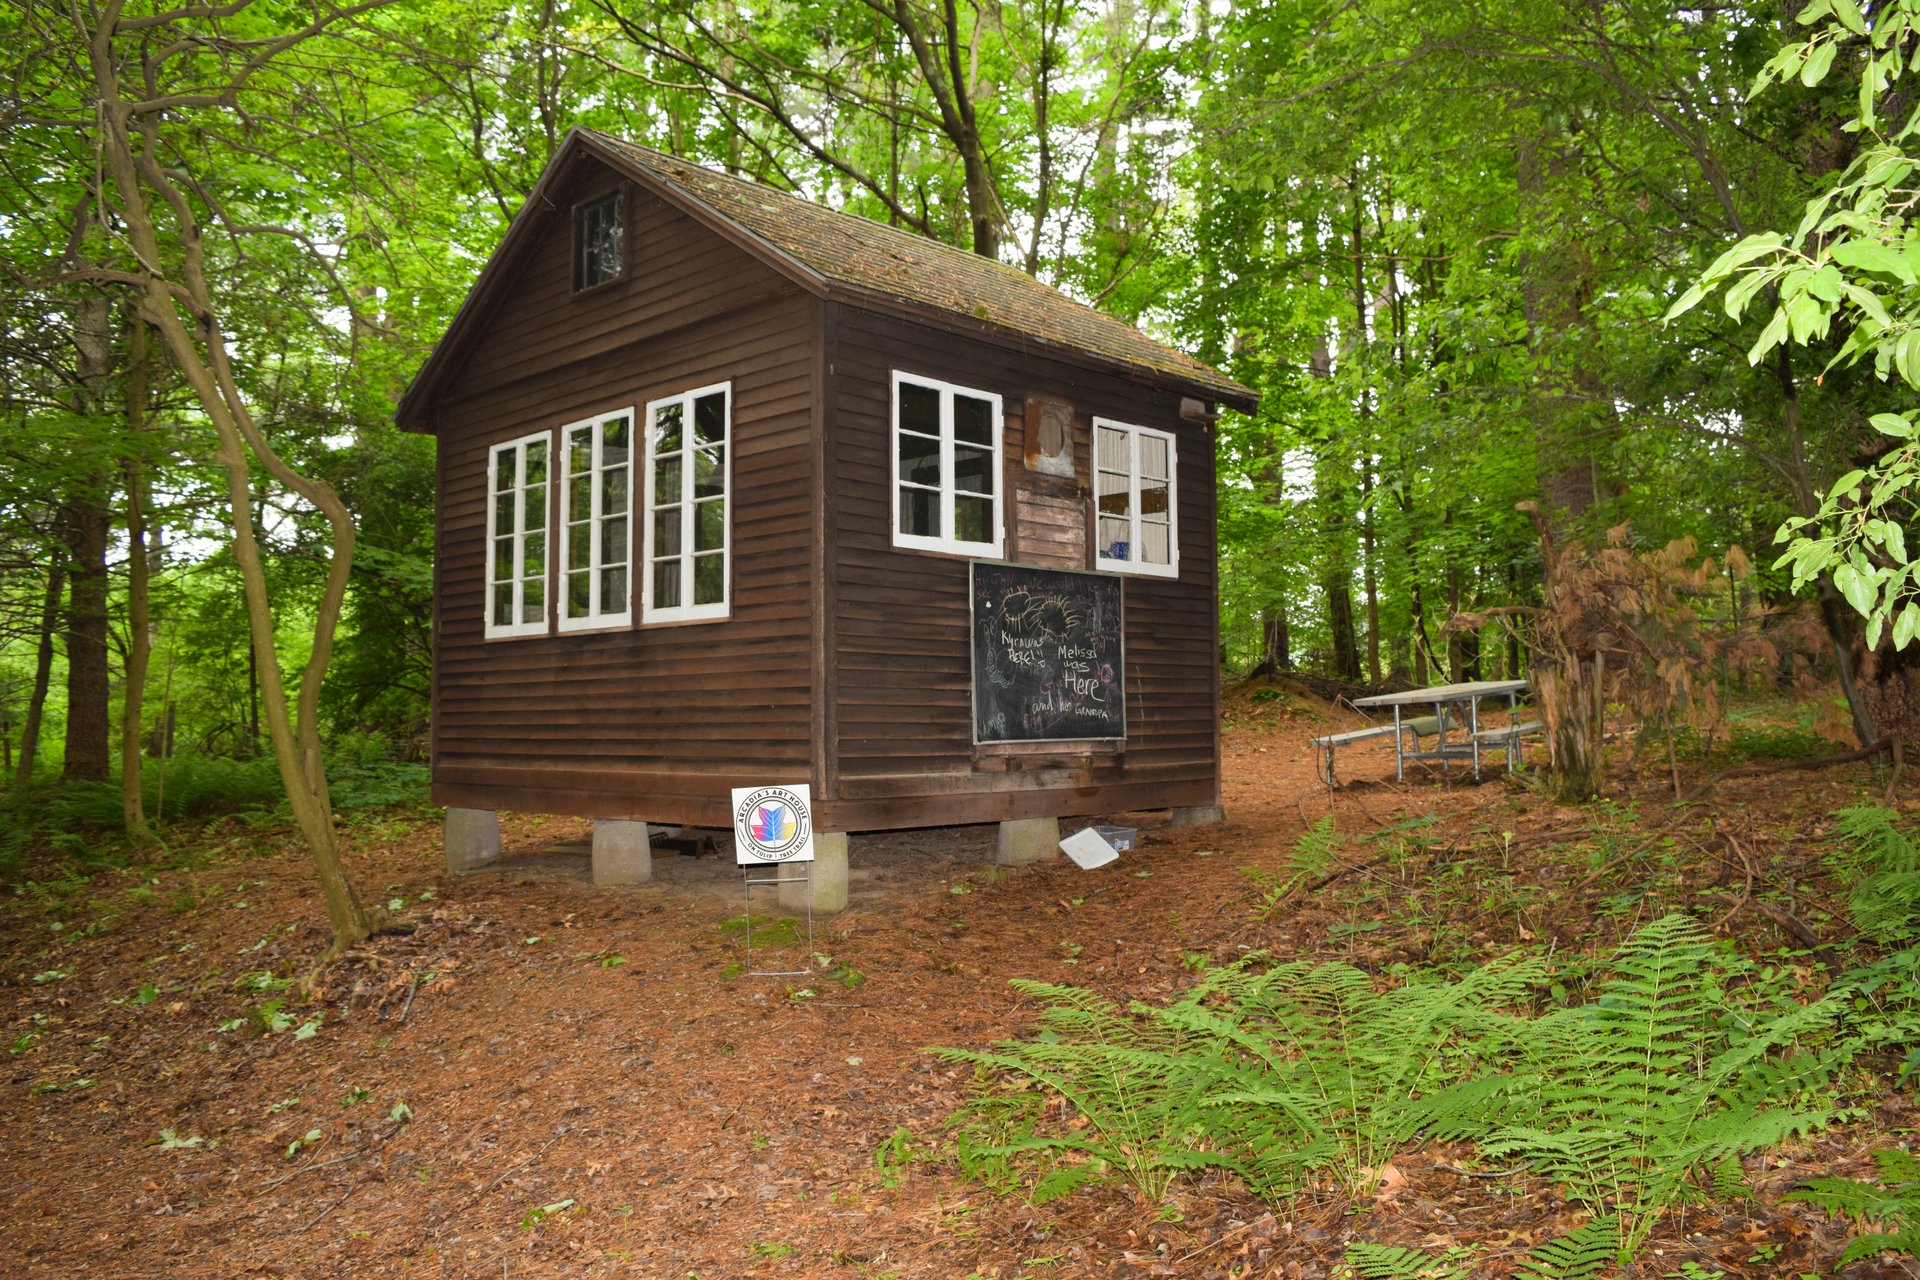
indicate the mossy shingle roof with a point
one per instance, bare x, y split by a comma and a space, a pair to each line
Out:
872, 258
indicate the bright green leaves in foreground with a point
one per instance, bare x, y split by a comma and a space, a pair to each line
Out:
1854, 261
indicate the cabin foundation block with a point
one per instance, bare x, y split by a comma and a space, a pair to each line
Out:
471, 838
1024, 841
622, 853
829, 877
1199, 815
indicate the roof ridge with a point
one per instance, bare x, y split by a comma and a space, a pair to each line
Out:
662, 160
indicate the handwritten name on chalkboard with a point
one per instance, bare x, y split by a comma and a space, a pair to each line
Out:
1047, 655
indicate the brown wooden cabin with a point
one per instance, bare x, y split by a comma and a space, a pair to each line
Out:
714, 464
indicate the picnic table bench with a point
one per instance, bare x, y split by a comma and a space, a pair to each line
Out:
1418, 726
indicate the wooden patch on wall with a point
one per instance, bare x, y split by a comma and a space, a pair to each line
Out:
1049, 440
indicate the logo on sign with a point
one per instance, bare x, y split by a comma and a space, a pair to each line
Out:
772, 824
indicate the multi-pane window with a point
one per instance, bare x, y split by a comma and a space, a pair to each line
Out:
599, 242
946, 467
595, 530
1134, 491
517, 537
689, 506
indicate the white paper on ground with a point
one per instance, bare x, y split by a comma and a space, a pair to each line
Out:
1089, 849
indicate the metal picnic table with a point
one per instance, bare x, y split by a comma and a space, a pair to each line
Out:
1440, 697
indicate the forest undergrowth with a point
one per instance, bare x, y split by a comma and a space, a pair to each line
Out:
1638, 1079
1428, 1030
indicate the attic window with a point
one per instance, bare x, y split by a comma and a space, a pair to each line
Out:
599, 242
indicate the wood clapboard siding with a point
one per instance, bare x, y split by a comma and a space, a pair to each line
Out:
898, 653
650, 721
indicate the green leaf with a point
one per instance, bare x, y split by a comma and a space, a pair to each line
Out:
1845, 483
1906, 356
1906, 626
1872, 255
1741, 292
1814, 70
1770, 337
1849, 15
1898, 425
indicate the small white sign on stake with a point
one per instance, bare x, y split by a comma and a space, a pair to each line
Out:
772, 825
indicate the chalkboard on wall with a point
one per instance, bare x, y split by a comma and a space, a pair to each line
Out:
1047, 659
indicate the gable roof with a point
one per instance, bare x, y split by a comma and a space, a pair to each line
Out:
846, 257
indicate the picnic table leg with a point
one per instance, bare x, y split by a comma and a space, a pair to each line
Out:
1473, 732
1399, 759
1440, 737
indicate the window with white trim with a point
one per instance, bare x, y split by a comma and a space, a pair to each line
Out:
517, 537
1134, 499
596, 522
946, 467
689, 506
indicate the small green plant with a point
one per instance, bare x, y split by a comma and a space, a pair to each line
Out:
1893, 1203
768, 1249
169, 1140
1312, 857
764, 931
894, 1157
355, 1095
307, 1139
612, 962
534, 1217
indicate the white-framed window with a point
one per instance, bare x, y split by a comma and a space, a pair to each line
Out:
517, 536
596, 522
689, 506
946, 467
1135, 519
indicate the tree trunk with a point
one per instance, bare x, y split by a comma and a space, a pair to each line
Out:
84, 523
1836, 615
201, 355
139, 638
1276, 651
1566, 402
42, 670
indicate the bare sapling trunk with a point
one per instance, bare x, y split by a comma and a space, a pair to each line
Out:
139, 637
167, 297
42, 671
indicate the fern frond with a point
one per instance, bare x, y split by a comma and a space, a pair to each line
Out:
1385, 1262
1580, 1254
1894, 1202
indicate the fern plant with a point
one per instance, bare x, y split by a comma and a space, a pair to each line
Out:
1894, 1203
1581, 1254
1311, 857
1883, 996
1134, 1090
1319, 1068
1273, 1072
1623, 1099
1884, 902
1386, 1262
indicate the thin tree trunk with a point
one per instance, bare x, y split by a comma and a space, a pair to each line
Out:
202, 358
1835, 615
139, 638
42, 670
84, 523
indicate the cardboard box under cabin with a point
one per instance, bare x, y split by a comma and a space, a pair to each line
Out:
736, 489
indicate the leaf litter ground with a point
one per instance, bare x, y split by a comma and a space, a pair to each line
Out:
548, 1079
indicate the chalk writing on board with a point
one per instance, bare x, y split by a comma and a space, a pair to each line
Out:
1047, 655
